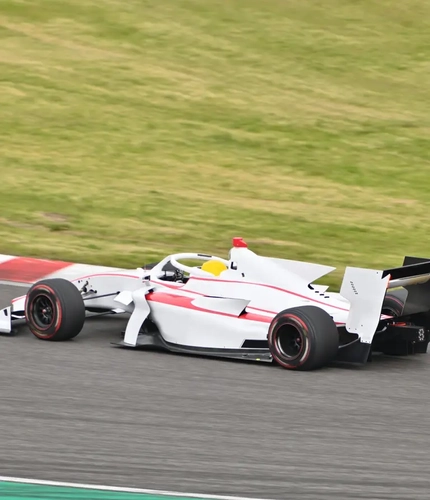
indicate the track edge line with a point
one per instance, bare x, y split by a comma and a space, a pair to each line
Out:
42, 482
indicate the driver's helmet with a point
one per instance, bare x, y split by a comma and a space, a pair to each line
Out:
214, 267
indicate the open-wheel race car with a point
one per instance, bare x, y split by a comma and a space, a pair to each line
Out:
248, 307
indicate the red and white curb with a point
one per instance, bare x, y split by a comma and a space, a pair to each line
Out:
28, 270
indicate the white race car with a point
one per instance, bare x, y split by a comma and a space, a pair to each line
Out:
247, 306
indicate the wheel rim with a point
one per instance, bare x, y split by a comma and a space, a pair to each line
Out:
290, 341
43, 311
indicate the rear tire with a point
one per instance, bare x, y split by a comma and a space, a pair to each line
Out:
303, 338
393, 305
54, 310
394, 302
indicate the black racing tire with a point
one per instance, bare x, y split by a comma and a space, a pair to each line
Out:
394, 302
393, 305
303, 338
54, 310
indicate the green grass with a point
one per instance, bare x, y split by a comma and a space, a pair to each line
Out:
129, 130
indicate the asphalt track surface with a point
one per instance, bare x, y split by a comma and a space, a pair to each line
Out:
85, 411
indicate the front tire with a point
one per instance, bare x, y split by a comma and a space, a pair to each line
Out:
54, 310
303, 338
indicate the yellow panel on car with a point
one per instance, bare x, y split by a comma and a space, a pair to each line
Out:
214, 267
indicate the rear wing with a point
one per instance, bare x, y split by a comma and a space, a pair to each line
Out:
365, 289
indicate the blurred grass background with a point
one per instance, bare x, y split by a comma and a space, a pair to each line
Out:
129, 130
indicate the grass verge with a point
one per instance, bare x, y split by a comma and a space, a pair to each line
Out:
134, 129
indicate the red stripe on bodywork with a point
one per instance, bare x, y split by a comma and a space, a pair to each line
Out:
200, 294
29, 270
17, 298
108, 275
187, 303
273, 287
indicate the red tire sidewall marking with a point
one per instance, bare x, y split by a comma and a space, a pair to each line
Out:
305, 331
398, 302
49, 292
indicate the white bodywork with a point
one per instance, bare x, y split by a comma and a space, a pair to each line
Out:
222, 311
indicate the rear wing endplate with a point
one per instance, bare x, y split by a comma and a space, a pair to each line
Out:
365, 289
